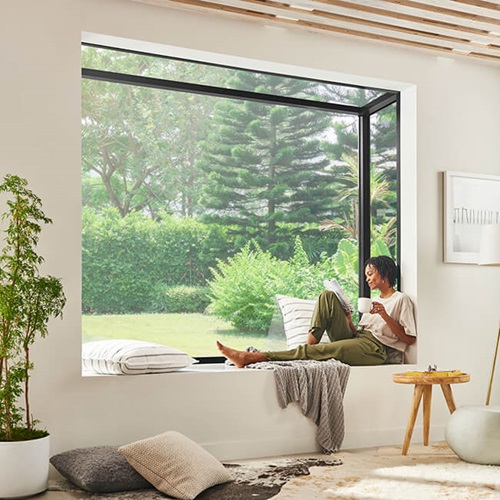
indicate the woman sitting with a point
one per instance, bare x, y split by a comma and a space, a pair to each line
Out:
390, 323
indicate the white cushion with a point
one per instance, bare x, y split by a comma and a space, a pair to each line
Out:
132, 357
297, 314
175, 465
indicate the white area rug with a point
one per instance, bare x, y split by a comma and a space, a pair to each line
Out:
426, 473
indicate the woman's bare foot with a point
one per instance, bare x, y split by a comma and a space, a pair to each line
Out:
240, 358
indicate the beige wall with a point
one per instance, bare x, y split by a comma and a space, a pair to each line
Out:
452, 110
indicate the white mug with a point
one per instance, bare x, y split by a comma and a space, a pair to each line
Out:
364, 304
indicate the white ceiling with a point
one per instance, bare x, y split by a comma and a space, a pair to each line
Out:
461, 28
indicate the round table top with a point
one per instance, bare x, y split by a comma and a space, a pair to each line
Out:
428, 378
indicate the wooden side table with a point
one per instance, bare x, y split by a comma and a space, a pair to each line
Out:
423, 389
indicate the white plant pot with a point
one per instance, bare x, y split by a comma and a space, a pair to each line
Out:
24, 467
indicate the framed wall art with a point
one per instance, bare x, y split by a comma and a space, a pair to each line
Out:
470, 201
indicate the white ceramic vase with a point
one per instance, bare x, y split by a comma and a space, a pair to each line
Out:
24, 467
473, 433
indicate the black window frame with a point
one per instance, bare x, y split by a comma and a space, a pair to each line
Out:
364, 114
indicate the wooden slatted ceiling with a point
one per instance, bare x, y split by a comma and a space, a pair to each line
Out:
462, 28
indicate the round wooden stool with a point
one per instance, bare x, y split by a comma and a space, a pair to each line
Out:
423, 382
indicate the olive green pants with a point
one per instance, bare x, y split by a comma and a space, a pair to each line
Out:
329, 316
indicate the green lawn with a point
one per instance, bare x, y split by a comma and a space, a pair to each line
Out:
193, 333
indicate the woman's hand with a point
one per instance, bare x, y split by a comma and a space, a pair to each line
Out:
396, 328
378, 308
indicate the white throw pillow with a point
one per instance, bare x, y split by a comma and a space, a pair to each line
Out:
297, 314
175, 465
132, 357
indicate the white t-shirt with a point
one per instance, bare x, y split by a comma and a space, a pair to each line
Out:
399, 307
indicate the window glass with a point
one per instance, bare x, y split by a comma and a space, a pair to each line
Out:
208, 74
198, 210
384, 181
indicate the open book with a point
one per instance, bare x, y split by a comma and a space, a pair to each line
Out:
334, 286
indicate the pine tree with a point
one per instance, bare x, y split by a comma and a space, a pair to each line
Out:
267, 171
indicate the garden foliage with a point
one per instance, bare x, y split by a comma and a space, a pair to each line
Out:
180, 299
134, 264
127, 260
244, 286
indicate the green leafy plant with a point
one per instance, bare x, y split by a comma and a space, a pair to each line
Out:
27, 302
244, 286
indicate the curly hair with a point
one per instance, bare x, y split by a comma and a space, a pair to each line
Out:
386, 267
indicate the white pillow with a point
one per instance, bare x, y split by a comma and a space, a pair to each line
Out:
132, 357
297, 314
175, 465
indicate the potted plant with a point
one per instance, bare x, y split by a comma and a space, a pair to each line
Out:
27, 302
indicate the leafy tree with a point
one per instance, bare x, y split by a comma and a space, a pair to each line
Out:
140, 145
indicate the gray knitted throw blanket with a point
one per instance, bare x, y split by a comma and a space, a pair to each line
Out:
319, 388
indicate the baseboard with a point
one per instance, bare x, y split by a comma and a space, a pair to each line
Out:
389, 437
259, 448
256, 447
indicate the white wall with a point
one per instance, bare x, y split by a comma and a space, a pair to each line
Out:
235, 414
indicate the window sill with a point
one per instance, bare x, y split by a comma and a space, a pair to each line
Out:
221, 367
197, 368
209, 367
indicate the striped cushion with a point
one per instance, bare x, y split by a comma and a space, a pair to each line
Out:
297, 314
132, 357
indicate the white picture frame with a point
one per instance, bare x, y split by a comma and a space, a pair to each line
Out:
470, 201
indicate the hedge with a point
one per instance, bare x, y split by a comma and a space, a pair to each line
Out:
125, 260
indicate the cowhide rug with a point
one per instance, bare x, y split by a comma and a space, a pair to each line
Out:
252, 480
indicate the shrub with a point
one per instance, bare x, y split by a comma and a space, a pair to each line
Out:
303, 279
243, 288
117, 271
181, 299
